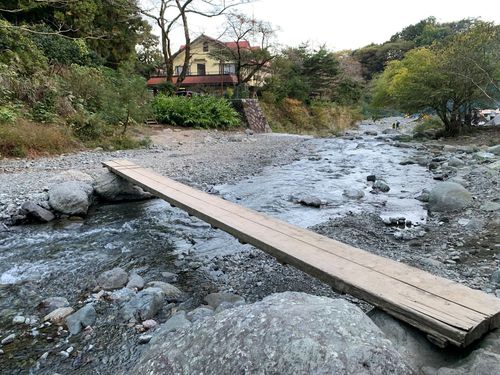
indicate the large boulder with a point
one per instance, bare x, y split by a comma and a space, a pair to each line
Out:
111, 187
449, 196
71, 197
287, 333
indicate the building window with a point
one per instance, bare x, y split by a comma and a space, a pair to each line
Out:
178, 70
229, 68
205, 46
200, 68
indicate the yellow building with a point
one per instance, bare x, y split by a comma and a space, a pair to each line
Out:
206, 72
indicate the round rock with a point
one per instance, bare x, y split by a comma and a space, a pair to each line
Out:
287, 333
449, 196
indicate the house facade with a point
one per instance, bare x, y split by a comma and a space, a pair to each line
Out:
206, 73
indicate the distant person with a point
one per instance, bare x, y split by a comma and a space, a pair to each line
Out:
397, 124
394, 125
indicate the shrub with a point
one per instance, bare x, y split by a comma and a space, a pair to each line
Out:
7, 115
429, 127
26, 138
201, 111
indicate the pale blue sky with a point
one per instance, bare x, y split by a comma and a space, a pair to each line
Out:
349, 24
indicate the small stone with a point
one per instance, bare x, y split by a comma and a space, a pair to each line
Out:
9, 339
310, 202
172, 293
82, 318
63, 354
150, 323
70, 349
371, 178
44, 356
144, 339
57, 316
135, 282
113, 279
19, 320
381, 185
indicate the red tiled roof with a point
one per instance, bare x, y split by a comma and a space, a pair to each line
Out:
242, 44
198, 80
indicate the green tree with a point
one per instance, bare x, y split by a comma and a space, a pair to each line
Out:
451, 77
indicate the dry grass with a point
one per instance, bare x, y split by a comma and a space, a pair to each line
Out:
292, 116
28, 139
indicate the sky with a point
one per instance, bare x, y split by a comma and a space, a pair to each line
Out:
347, 24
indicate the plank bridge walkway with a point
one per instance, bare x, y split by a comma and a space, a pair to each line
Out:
448, 312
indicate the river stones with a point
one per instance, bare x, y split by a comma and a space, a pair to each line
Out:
449, 196
71, 198
286, 333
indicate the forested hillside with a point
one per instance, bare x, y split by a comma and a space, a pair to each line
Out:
69, 74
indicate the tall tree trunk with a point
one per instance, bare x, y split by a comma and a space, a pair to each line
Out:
187, 38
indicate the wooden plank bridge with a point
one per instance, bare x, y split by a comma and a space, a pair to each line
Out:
448, 312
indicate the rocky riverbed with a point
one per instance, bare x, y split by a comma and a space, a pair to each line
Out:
136, 281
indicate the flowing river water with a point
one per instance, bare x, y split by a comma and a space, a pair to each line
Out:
62, 258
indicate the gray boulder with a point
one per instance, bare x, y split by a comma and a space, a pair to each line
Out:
381, 185
287, 333
37, 213
455, 162
310, 201
112, 279
145, 305
449, 196
353, 193
71, 198
111, 187
82, 318
172, 293
135, 281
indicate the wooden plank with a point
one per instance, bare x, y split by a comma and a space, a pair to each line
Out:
435, 305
